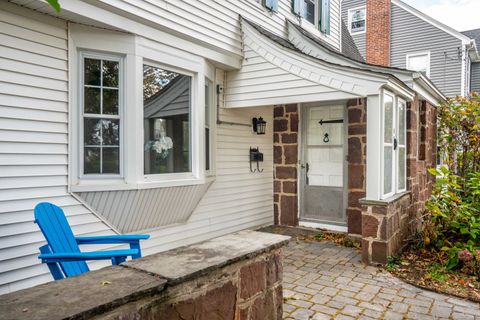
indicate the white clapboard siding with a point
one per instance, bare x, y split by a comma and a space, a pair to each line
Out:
207, 22
33, 143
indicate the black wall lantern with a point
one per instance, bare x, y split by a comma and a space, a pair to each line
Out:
259, 125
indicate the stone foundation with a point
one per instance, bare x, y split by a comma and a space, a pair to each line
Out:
285, 159
237, 277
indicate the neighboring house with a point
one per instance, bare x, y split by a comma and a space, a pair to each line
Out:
475, 67
416, 42
136, 116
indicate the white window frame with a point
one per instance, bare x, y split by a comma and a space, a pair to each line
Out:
134, 51
211, 125
395, 154
350, 15
400, 100
81, 115
419, 54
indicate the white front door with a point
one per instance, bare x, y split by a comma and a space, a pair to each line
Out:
323, 164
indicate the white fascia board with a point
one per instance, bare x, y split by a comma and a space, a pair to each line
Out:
427, 90
430, 20
308, 46
400, 90
343, 78
121, 21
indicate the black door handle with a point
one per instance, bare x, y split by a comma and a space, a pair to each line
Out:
395, 143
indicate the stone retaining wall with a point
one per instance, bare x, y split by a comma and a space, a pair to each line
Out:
237, 276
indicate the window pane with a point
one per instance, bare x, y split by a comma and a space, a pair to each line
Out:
110, 160
110, 73
167, 99
91, 160
388, 119
92, 72
401, 168
110, 101
92, 100
358, 20
110, 132
402, 109
92, 132
309, 11
387, 169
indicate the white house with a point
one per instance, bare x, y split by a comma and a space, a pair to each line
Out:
136, 116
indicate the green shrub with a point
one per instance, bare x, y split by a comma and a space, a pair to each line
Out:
452, 226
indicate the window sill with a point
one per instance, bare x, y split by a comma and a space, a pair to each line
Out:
90, 186
384, 202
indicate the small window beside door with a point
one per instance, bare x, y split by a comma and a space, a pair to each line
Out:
357, 22
419, 62
394, 145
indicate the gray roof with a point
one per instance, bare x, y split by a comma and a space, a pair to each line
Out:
348, 45
474, 35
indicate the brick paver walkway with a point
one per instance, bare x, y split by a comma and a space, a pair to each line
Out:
324, 281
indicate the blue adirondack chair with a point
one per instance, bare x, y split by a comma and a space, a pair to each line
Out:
62, 254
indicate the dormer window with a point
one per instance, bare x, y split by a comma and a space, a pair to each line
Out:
357, 20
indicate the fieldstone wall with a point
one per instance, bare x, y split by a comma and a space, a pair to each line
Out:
285, 163
234, 277
357, 155
388, 225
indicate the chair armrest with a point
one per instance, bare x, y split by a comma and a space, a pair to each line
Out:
85, 256
112, 239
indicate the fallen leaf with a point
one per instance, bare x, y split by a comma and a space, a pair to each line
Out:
104, 283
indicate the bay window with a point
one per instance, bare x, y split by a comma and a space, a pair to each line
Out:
394, 145
101, 113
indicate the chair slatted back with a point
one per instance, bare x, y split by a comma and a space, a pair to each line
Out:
54, 226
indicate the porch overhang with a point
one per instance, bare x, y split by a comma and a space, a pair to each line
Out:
418, 83
274, 71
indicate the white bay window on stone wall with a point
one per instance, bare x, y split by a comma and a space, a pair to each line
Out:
394, 145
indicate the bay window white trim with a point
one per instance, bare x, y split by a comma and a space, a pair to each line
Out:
133, 51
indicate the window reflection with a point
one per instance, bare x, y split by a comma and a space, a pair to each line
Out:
167, 100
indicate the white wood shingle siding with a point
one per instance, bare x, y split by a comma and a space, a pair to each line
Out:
410, 34
33, 143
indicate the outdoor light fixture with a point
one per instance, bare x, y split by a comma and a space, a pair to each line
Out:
259, 125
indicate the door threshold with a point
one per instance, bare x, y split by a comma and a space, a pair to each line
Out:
324, 226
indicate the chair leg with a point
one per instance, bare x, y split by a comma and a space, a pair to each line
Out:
54, 268
136, 245
117, 260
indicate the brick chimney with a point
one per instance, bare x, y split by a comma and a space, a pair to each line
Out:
378, 32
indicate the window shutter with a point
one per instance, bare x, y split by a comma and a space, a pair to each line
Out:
296, 7
271, 5
325, 17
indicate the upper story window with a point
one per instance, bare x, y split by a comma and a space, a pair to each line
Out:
357, 20
316, 12
101, 113
271, 5
394, 145
419, 62
166, 120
